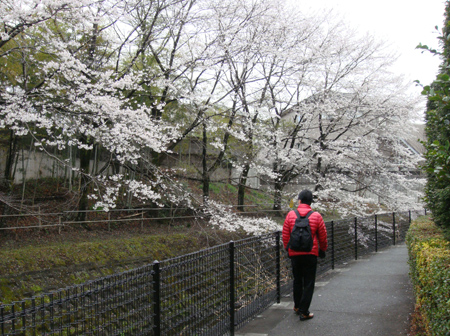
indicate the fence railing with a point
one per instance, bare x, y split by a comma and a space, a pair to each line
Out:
210, 292
38, 219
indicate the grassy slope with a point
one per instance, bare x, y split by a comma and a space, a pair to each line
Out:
29, 270
35, 261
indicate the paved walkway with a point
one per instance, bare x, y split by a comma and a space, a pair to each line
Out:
370, 296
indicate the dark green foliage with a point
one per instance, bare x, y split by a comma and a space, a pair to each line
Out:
437, 165
439, 202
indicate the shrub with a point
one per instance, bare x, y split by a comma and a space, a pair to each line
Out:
438, 200
429, 263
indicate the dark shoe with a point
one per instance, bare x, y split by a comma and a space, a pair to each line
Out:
307, 316
297, 311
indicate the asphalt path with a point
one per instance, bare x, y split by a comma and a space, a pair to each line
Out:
369, 296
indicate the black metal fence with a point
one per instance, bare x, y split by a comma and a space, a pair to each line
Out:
210, 292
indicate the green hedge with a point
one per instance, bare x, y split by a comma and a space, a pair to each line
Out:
429, 254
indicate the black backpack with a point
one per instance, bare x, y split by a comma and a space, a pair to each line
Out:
301, 238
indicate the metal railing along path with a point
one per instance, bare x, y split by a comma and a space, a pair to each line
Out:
210, 292
140, 216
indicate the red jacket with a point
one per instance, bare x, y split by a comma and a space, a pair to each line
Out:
318, 230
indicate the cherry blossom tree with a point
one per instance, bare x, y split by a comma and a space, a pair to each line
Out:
335, 134
262, 85
71, 93
270, 50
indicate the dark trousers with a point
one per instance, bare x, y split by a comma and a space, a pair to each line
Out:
304, 271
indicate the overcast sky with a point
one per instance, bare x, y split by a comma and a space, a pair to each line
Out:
404, 23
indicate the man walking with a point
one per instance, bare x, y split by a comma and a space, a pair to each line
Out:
304, 264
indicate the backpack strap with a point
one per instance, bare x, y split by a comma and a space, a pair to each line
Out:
307, 215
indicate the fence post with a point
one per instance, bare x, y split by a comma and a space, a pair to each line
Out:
13, 319
33, 308
356, 238
393, 225
278, 245
376, 233
52, 311
2, 316
332, 245
156, 299
23, 315
39, 218
232, 299
409, 217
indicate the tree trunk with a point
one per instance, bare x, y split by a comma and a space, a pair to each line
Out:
206, 181
279, 185
85, 158
10, 159
85, 154
205, 172
9, 172
242, 187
